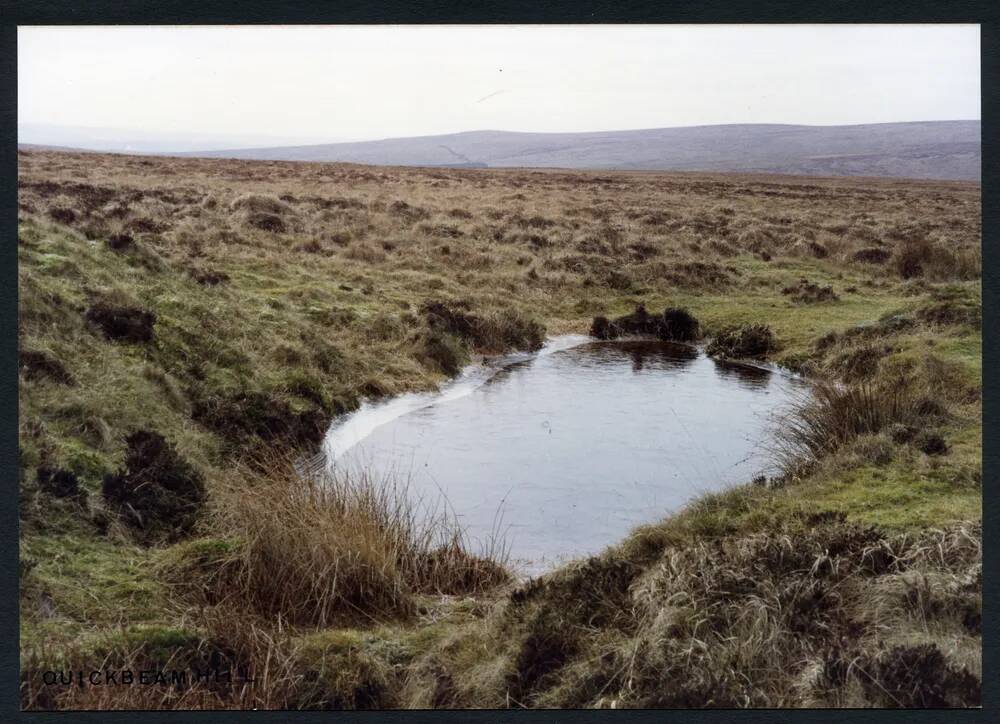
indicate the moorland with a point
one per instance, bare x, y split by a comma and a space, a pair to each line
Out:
187, 327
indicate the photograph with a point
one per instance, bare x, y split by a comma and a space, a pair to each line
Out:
498, 366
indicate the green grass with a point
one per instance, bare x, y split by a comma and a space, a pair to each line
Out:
894, 499
913, 492
966, 349
89, 583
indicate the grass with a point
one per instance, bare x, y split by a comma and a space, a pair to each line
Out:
895, 500
285, 293
324, 549
744, 620
96, 583
836, 415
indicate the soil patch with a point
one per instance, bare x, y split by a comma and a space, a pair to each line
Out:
872, 255
208, 277
254, 414
38, 365
807, 292
157, 493
123, 324
120, 242
918, 677
59, 483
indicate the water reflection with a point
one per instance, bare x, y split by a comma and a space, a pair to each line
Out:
642, 353
748, 375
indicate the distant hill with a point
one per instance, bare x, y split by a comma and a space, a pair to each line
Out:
138, 141
50, 147
933, 150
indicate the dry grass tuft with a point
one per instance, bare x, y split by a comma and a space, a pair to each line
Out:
320, 549
837, 414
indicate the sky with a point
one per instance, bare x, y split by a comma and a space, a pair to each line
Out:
225, 86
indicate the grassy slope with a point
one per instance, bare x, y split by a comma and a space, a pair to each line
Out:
320, 328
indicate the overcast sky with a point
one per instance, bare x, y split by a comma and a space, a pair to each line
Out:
352, 83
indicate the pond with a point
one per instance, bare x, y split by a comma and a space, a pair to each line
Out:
564, 451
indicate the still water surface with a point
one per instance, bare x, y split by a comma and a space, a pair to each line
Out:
566, 450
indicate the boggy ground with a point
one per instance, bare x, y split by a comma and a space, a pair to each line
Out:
187, 325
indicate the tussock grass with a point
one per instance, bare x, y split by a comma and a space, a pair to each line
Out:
922, 256
746, 341
320, 549
822, 613
263, 203
506, 329
834, 415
